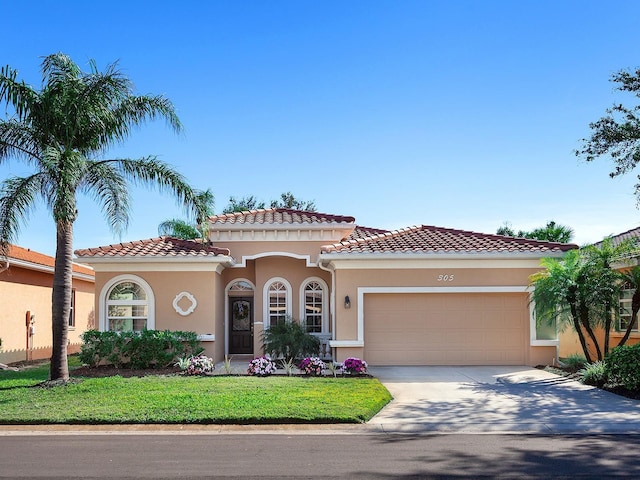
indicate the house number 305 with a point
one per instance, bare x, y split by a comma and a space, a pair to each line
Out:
445, 278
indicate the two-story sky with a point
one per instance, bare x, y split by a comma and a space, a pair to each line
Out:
460, 114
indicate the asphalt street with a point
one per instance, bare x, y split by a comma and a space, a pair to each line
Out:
303, 455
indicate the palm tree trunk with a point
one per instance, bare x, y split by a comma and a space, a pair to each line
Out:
61, 300
607, 328
578, 329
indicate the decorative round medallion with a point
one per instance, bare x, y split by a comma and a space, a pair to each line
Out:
178, 308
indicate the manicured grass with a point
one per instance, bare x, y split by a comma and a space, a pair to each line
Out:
181, 399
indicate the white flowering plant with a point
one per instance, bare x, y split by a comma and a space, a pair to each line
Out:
261, 367
354, 365
200, 365
313, 366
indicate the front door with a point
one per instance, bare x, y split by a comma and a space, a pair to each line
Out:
241, 321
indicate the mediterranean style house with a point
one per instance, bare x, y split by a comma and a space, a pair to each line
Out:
422, 295
26, 284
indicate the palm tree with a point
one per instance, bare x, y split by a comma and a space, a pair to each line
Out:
561, 293
186, 230
61, 131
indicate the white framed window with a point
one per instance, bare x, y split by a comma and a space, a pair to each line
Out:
277, 301
127, 304
624, 308
313, 305
72, 312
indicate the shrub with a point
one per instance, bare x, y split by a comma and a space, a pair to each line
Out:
290, 340
313, 366
594, 374
146, 349
200, 365
621, 366
574, 362
261, 367
354, 365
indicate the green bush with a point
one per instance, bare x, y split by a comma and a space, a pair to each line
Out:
623, 366
594, 374
290, 340
574, 362
146, 349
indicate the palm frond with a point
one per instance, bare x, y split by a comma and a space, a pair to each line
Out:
104, 183
18, 197
17, 94
17, 140
179, 229
152, 172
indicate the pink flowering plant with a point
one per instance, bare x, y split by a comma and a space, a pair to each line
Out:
354, 365
200, 365
261, 367
313, 366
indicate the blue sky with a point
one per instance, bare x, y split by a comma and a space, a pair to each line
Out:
460, 114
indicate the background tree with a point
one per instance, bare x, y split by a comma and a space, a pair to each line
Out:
190, 230
617, 134
287, 200
60, 130
551, 232
243, 204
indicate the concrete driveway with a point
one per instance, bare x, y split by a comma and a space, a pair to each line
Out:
498, 400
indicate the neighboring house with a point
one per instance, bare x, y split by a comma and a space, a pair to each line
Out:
569, 343
26, 284
417, 296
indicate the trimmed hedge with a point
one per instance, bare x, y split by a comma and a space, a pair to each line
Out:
146, 349
622, 366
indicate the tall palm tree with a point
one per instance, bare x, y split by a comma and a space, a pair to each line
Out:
63, 130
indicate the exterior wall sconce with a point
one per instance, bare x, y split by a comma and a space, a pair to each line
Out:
347, 302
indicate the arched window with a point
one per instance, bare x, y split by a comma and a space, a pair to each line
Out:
278, 295
314, 304
128, 305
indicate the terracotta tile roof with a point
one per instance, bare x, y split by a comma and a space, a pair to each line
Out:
430, 239
633, 234
271, 216
154, 247
365, 232
28, 255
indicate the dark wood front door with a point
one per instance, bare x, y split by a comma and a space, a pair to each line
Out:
241, 321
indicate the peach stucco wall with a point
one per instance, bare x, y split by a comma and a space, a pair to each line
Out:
348, 281
570, 344
25, 290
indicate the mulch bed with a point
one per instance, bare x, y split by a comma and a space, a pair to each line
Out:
571, 373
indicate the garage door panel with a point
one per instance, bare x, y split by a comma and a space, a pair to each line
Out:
445, 329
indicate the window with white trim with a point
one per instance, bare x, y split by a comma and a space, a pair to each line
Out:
278, 302
624, 308
313, 306
127, 307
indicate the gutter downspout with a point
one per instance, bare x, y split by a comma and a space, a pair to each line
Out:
332, 300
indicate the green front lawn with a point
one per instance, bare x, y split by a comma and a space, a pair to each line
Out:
182, 399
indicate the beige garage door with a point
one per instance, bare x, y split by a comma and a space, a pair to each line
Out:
445, 328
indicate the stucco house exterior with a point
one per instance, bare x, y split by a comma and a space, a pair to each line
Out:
26, 284
421, 295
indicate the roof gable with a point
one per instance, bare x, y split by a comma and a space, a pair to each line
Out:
278, 216
40, 259
431, 239
154, 247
